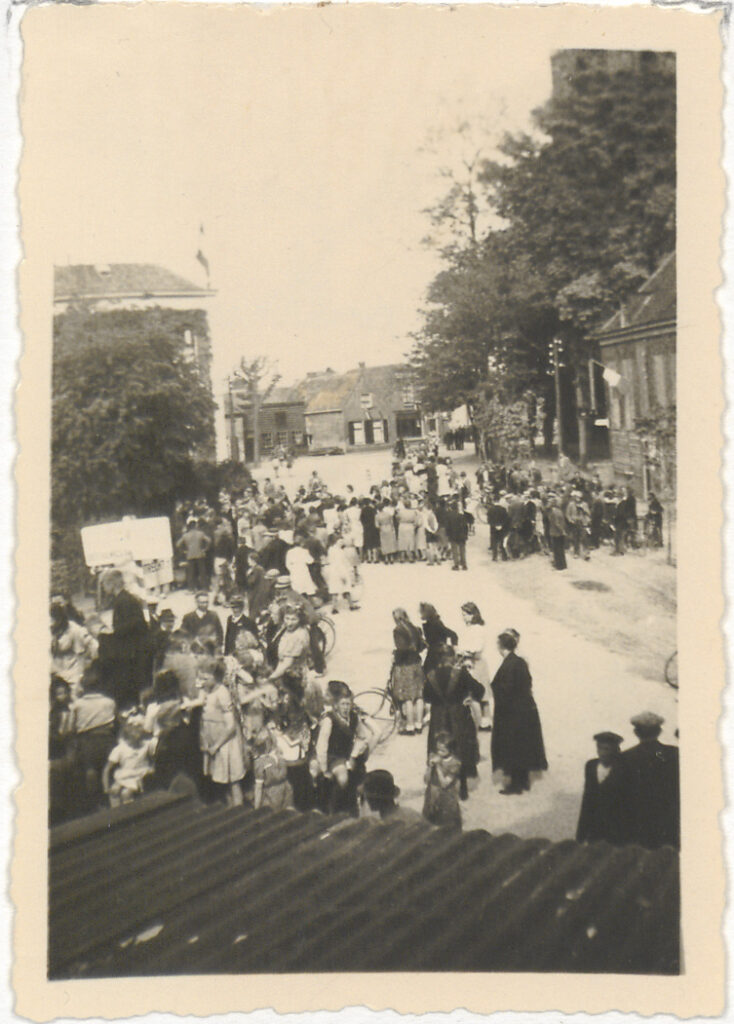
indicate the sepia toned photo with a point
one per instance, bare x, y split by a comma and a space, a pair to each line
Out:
364, 502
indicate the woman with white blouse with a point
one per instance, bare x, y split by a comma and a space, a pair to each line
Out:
471, 648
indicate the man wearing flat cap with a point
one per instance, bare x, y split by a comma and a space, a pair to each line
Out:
650, 787
601, 807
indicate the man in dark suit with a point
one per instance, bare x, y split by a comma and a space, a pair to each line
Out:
650, 787
237, 621
601, 811
457, 530
128, 655
272, 554
499, 521
203, 620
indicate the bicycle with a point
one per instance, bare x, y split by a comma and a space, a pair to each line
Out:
671, 670
326, 627
383, 711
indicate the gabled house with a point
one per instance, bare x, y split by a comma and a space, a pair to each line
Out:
638, 347
370, 405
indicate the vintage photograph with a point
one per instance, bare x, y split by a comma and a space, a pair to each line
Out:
314, 335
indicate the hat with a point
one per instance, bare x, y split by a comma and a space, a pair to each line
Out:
379, 785
201, 593
237, 600
167, 613
282, 582
647, 720
272, 574
608, 737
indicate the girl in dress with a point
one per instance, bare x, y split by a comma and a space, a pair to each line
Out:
386, 525
441, 805
220, 741
407, 519
406, 676
272, 788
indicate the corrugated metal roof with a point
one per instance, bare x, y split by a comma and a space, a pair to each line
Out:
183, 888
120, 279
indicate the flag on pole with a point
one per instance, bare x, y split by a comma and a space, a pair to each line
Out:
200, 253
203, 260
611, 377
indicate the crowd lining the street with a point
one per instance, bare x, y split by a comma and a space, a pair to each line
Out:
241, 709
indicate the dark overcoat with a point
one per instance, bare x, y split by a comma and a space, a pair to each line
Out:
651, 795
446, 690
602, 807
517, 739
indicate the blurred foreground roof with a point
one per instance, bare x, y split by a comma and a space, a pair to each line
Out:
169, 886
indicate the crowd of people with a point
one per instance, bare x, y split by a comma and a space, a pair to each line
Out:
236, 701
574, 512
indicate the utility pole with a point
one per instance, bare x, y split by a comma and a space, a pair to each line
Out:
233, 453
557, 376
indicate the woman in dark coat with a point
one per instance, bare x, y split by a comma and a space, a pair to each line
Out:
449, 690
517, 739
436, 634
371, 533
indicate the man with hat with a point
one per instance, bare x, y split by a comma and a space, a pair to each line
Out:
378, 797
601, 809
272, 554
237, 621
650, 786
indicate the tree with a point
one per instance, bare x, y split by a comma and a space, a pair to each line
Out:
257, 377
591, 204
504, 421
130, 415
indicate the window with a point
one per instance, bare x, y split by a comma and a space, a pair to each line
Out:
296, 438
266, 441
366, 401
408, 394
282, 437
281, 418
356, 432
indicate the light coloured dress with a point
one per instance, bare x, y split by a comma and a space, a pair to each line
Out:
297, 562
228, 764
407, 518
386, 526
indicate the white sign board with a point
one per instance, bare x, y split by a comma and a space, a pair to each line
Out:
142, 540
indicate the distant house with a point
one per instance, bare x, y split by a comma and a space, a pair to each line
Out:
141, 287
280, 423
370, 405
638, 346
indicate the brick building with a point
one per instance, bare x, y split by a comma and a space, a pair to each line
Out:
280, 422
364, 407
638, 346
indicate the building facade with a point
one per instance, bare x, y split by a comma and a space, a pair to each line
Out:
366, 407
280, 423
145, 289
638, 351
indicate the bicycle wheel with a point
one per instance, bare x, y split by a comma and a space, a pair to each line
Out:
671, 670
328, 631
377, 707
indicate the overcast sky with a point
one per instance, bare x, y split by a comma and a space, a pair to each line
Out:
306, 164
